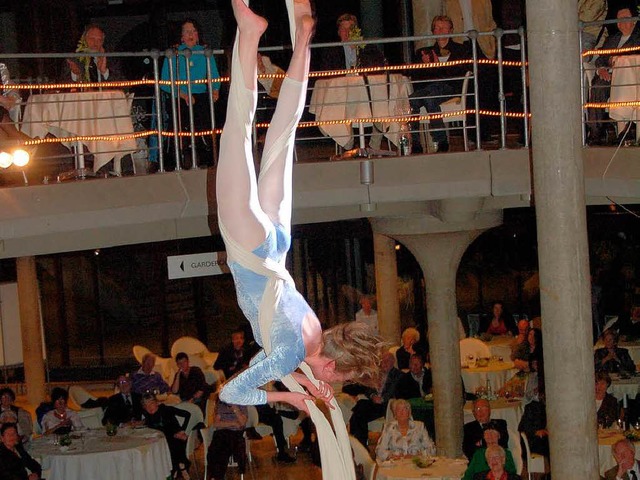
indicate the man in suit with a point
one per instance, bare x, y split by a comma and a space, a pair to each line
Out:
375, 405
416, 383
474, 431
123, 407
627, 467
628, 35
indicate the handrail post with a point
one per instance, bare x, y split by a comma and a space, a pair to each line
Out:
155, 56
171, 54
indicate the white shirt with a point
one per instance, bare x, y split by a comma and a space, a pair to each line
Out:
350, 56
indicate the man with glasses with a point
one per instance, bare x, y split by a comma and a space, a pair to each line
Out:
123, 407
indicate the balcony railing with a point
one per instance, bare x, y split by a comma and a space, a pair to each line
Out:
74, 130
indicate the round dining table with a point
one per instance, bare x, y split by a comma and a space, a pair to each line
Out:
141, 454
442, 469
500, 346
497, 372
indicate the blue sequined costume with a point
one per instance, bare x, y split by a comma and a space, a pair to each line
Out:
286, 329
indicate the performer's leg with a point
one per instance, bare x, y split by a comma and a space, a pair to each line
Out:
274, 183
236, 188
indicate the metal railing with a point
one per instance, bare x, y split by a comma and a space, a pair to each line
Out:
168, 136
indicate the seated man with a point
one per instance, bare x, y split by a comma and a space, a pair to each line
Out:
146, 380
434, 93
236, 356
90, 68
624, 451
123, 407
473, 438
375, 405
628, 35
611, 358
189, 382
416, 383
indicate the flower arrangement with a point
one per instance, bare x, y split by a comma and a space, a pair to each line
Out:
355, 34
84, 61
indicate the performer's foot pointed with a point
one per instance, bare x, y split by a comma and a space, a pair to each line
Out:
305, 24
248, 22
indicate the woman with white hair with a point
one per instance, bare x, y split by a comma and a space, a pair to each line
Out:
410, 338
496, 458
403, 437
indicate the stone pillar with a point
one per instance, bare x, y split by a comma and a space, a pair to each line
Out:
439, 255
371, 20
29, 303
554, 71
384, 249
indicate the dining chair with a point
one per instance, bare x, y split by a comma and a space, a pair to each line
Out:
79, 395
188, 345
473, 319
535, 461
458, 104
362, 457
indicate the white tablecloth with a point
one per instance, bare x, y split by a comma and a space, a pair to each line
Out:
624, 386
510, 412
497, 372
625, 87
500, 346
140, 454
442, 469
83, 113
346, 97
606, 439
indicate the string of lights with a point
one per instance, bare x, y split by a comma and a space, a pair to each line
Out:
610, 51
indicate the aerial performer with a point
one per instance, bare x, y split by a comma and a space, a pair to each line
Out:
254, 216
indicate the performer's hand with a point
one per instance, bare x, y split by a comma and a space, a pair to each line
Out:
294, 399
323, 392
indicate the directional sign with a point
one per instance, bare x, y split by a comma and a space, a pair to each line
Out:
197, 265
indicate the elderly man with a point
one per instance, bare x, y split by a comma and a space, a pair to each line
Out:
123, 407
627, 467
91, 69
375, 405
628, 35
473, 438
146, 380
434, 93
478, 463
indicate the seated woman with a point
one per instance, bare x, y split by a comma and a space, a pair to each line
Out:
228, 439
403, 437
500, 324
532, 352
21, 416
611, 358
16, 462
410, 338
496, 458
61, 419
606, 404
162, 417
478, 463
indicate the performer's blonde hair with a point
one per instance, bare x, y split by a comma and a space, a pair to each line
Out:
355, 349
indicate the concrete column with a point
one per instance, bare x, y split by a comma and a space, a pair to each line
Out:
371, 20
386, 266
554, 69
28, 300
439, 255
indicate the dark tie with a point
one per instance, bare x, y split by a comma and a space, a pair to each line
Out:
127, 400
632, 475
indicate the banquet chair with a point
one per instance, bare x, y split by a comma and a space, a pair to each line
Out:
188, 345
475, 347
535, 461
361, 457
473, 319
458, 104
289, 427
393, 350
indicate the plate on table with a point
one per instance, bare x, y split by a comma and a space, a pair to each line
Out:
423, 462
